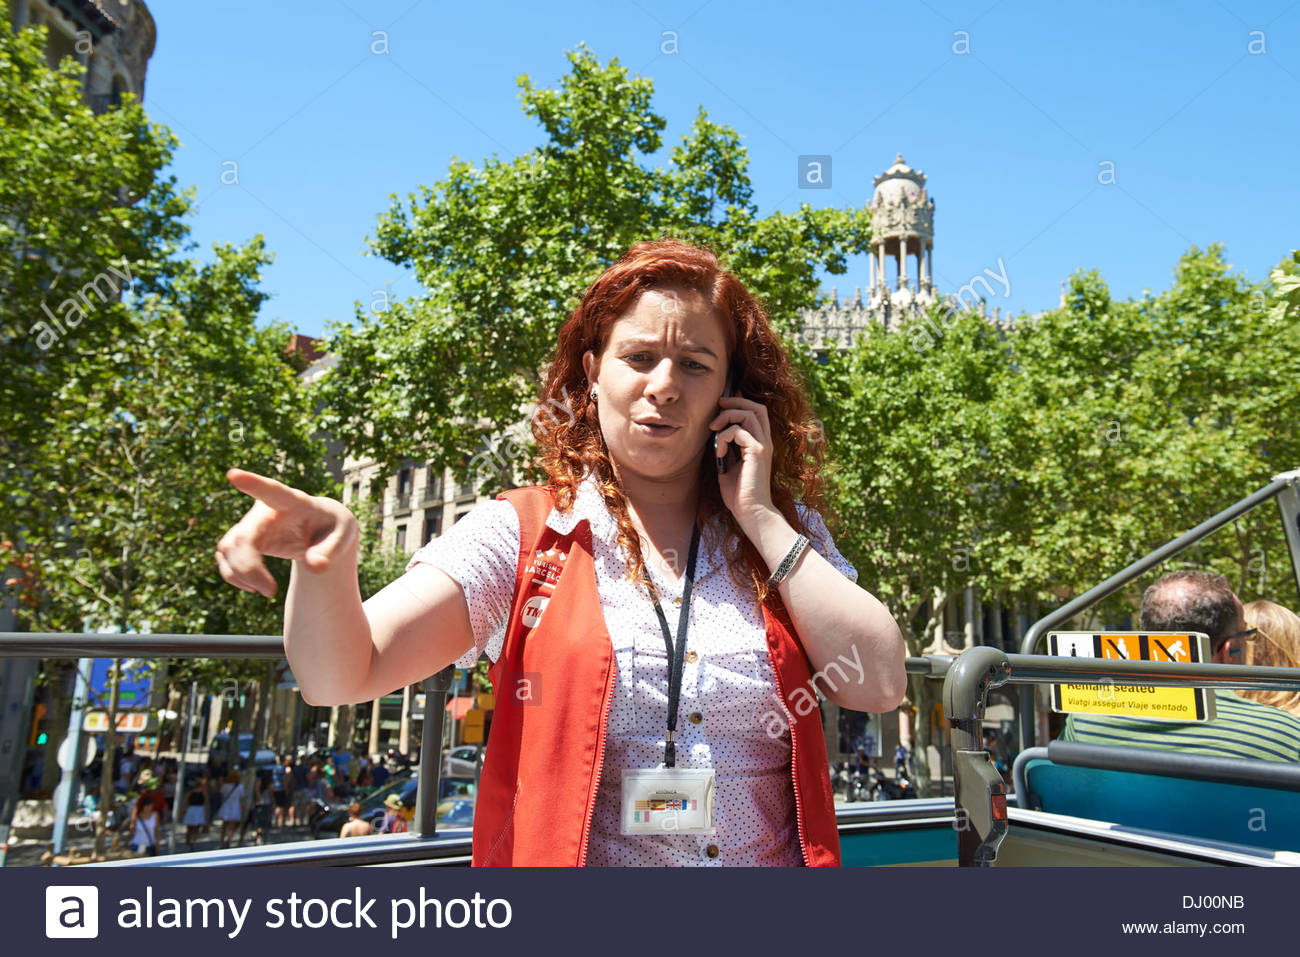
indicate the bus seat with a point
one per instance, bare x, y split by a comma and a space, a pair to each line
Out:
1241, 813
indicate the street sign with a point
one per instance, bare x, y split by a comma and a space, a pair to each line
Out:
130, 722
473, 729
132, 688
1132, 700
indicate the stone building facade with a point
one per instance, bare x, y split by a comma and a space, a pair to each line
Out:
113, 39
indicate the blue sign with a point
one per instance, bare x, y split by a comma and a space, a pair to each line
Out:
132, 688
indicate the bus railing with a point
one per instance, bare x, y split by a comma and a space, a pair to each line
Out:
967, 679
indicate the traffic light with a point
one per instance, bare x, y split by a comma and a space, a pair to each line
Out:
37, 736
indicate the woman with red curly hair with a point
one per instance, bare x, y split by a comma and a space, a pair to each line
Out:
662, 571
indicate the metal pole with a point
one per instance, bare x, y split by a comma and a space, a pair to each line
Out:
61, 644
70, 781
180, 770
297, 723
426, 794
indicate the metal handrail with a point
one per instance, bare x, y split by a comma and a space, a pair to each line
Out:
1253, 772
58, 644
1117, 581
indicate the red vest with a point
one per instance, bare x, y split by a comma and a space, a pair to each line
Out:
554, 681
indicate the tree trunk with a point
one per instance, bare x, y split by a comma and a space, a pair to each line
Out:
923, 697
265, 703
236, 722
177, 701
106, 778
343, 724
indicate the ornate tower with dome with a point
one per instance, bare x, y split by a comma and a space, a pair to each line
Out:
901, 263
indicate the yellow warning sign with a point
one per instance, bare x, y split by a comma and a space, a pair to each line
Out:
1133, 700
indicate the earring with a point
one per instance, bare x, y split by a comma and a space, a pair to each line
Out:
593, 395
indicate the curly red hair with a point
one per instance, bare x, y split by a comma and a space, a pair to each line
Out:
567, 450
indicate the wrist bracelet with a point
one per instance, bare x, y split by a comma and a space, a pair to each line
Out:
787, 563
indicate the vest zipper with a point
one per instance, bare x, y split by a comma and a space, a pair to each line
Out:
794, 755
600, 762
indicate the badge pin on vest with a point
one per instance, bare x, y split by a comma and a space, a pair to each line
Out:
543, 573
545, 567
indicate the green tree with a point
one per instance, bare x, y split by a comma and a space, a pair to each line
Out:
1142, 418
120, 520
918, 437
84, 212
505, 248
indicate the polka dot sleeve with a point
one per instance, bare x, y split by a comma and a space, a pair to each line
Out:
481, 553
820, 537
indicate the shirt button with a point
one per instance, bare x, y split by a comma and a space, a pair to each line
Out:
711, 850
696, 717
692, 657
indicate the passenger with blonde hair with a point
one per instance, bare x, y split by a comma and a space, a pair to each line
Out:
1276, 645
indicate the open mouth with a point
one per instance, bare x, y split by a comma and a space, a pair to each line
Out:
656, 430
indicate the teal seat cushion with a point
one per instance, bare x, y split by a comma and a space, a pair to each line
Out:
1258, 817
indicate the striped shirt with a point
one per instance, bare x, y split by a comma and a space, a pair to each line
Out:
1240, 729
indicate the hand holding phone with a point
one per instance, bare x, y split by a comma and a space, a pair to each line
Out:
733, 451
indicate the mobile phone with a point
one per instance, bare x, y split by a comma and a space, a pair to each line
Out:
733, 451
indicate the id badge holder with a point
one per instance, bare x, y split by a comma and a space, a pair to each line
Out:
668, 800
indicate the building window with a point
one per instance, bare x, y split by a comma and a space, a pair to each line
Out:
399, 538
59, 45
403, 501
432, 485
356, 491
432, 525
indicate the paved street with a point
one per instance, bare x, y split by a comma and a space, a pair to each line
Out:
27, 852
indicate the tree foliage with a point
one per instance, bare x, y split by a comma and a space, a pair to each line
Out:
504, 249
1033, 461
81, 192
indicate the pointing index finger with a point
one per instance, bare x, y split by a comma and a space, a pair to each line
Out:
268, 490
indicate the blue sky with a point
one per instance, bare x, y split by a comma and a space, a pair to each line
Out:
1193, 103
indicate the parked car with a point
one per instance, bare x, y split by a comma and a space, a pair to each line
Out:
404, 785
457, 812
461, 761
217, 751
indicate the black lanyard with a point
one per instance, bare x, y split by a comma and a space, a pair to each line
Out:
677, 659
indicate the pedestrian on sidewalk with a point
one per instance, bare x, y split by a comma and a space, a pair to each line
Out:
394, 821
355, 826
259, 811
145, 815
196, 811
282, 791
230, 812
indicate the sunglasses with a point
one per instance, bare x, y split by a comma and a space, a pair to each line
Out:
1249, 634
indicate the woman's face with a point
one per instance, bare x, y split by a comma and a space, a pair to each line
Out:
658, 383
